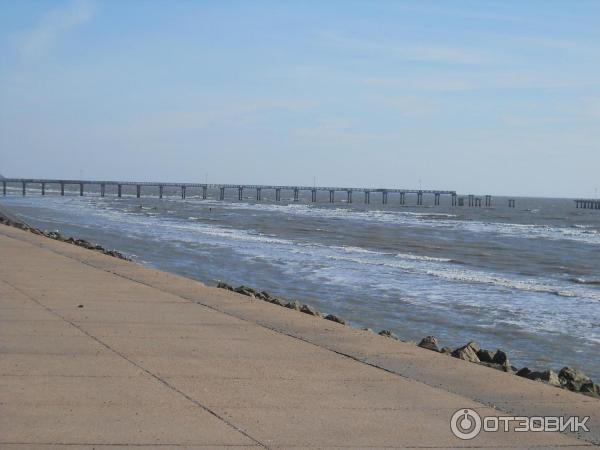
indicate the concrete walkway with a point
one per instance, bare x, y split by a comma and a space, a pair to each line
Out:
96, 352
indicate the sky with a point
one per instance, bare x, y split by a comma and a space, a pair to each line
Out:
498, 97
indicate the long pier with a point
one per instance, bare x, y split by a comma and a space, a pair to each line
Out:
258, 189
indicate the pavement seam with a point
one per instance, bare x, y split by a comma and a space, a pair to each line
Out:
142, 368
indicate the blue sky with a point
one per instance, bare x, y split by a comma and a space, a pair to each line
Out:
481, 97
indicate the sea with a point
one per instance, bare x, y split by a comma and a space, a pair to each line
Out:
525, 279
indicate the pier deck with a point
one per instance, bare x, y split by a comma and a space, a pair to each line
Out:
98, 352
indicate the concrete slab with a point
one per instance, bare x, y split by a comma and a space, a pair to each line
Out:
152, 359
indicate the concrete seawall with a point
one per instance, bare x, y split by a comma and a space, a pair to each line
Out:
97, 351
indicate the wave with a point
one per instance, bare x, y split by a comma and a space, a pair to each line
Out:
594, 282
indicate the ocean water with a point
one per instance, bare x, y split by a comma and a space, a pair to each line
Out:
524, 279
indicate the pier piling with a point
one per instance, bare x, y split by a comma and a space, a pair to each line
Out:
160, 191
367, 197
4, 188
138, 191
43, 188
62, 189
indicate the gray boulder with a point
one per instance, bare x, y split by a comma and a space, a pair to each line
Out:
306, 309
293, 305
486, 355
388, 334
468, 352
575, 380
336, 319
430, 343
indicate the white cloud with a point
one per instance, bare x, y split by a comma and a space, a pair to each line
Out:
53, 25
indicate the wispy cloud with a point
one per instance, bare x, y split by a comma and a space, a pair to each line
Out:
412, 51
40, 39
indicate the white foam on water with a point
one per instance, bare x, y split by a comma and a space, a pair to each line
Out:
437, 220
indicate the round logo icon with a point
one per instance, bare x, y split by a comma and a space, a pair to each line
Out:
465, 424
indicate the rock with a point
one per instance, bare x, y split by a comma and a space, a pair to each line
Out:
548, 376
80, 306
244, 290
467, 352
486, 355
336, 319
575, 380
276, 301
591, 389
306, 309
264, 295
222, 285
293, 305
430, 343
368, 330
388, 334
446, 350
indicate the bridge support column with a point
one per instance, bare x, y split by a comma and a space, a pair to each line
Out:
102, 190
81, 189
367, 196
402, 198
420, 198
43, 188
204, 188
240, 193
331, 196
296, 194
183, 193
258, 194
384, 197
222, 193
160, 191
437, 199
24, 188
349, 194
62, 188
4, 188
313, 195
277, 194
138, 191
488, 201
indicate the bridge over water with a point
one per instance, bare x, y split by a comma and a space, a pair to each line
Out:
257, 189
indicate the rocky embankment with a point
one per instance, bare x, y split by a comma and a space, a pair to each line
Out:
59, 237
567, 378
